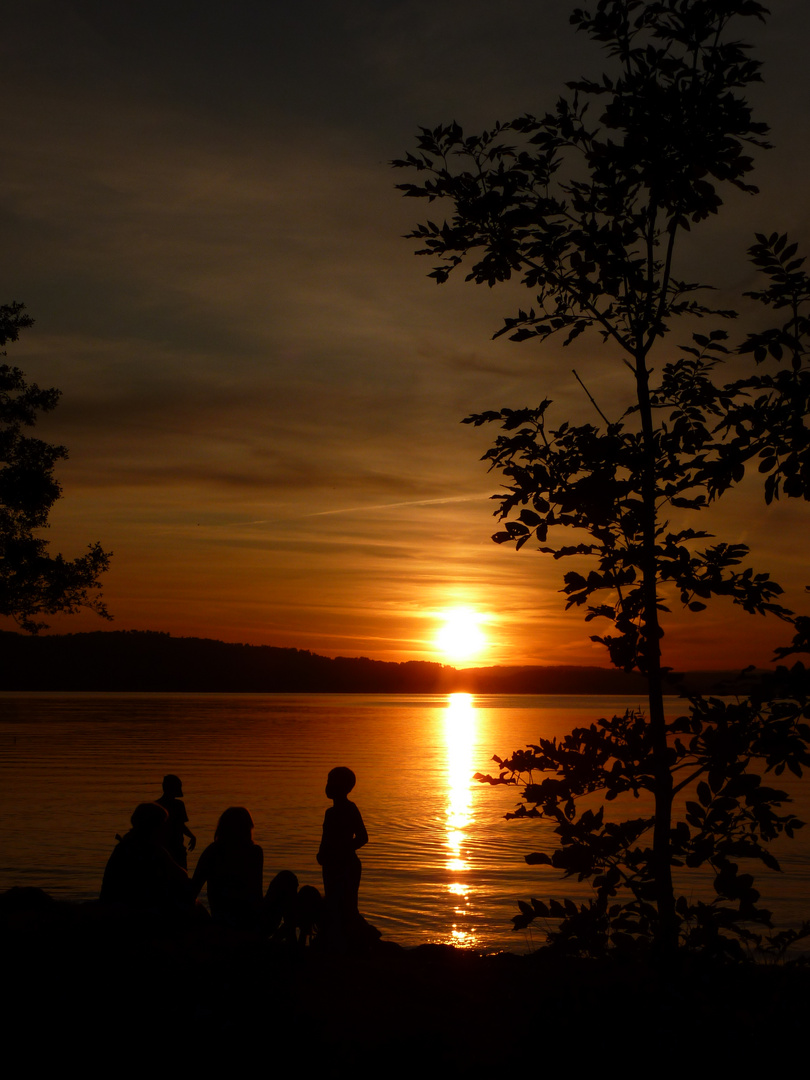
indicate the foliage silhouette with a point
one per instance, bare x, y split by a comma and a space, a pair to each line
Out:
587, 204
32, 582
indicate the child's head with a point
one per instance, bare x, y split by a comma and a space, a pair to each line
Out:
340, 782
172, 786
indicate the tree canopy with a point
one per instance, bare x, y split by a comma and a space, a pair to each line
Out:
33, 582
588, 204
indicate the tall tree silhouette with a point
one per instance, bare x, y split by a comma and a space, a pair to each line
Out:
588, 204
34, 583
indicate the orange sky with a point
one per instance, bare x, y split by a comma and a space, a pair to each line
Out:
262, 390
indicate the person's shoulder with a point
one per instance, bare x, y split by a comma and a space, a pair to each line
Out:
120, 850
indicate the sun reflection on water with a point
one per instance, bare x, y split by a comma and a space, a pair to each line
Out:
459, 730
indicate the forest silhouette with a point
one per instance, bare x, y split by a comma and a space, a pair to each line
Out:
128, 661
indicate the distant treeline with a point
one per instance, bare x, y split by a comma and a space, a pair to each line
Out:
135, 660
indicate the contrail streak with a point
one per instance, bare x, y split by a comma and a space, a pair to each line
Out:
394, 506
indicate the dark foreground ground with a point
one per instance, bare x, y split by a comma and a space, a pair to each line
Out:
84, 988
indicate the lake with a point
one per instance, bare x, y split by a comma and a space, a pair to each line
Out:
442, 864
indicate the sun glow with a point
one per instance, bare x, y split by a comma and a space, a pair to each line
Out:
461, 638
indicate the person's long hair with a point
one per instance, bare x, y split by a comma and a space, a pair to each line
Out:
235, 827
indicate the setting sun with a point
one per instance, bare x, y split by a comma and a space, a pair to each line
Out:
461, 638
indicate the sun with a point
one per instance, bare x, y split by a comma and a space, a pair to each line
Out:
460, 637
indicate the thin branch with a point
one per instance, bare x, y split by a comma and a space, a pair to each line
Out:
664, 286
559, 283
688, 780
590, 395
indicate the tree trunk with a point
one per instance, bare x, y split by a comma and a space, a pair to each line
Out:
666, 940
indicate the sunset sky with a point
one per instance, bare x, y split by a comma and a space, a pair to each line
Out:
261, 388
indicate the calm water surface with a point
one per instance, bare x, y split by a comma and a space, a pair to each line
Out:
441, 865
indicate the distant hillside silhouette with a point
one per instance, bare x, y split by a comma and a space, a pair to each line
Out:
136, 660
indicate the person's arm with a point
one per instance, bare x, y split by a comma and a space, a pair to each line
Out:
324, 840
178, 883
201, 871
360, 834
258, 872
192, 839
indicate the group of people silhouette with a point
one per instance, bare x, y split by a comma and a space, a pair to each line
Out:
147, 871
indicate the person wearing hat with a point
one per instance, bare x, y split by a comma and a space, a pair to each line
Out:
176, 827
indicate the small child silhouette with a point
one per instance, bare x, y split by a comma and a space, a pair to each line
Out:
176, 827
343, 833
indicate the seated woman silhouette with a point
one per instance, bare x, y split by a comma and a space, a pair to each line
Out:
232, 868
140, 873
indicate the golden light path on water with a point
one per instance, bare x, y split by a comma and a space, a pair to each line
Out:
460, 721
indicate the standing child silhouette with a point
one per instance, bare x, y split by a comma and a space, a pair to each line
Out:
176, 827
343, 833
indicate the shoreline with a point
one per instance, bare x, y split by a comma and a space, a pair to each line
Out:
77, 968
